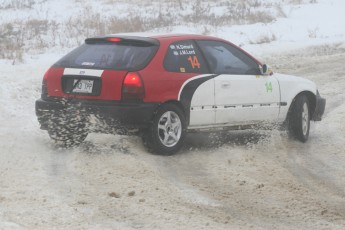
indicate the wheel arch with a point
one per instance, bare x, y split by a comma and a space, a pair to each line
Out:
311, 98
179, 105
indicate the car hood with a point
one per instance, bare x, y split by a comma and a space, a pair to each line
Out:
293, 79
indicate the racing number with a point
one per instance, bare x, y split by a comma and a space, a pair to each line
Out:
269, 87
194, 62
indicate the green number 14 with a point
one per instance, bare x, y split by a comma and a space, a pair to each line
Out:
268, 87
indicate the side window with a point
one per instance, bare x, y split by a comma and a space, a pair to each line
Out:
224, 58
184, 57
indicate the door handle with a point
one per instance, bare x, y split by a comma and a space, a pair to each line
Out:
225, 84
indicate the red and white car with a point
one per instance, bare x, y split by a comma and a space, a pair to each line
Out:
167, 85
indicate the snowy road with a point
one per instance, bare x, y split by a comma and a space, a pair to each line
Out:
239, 180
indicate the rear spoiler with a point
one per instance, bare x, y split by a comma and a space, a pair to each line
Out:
124, 40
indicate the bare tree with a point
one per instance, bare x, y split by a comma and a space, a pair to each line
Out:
180, 3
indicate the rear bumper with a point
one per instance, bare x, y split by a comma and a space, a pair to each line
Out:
114, 113
319, 108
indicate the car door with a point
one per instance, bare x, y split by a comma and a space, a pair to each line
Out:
242, 94
196, 94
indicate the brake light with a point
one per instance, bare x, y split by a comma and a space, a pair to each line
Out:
114, 39
133, 87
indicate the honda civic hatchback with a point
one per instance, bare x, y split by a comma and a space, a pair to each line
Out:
162, 87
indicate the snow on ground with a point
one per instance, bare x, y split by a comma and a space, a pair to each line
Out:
237, 180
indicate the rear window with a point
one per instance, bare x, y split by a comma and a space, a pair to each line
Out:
115, 56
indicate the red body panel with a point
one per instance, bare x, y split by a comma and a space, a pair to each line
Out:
111, 85
53, 77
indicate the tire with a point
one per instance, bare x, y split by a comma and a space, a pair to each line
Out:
166, 134
67, 131
299, 119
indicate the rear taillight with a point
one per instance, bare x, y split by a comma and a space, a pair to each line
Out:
133, 87
44, 92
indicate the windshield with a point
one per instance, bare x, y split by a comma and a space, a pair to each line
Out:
115, 56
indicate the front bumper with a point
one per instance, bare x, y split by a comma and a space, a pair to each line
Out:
319, 108
113, 113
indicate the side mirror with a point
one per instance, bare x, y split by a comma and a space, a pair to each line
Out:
266, 70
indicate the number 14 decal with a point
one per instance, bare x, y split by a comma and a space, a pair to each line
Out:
194, 62
269, 87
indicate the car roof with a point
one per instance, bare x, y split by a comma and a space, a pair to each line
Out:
159, 36
155, 39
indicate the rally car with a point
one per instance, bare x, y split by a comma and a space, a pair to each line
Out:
163, 86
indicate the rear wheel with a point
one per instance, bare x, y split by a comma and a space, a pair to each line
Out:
166, 134
299, 119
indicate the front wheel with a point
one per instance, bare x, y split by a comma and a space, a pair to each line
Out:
299, 119
167, 132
